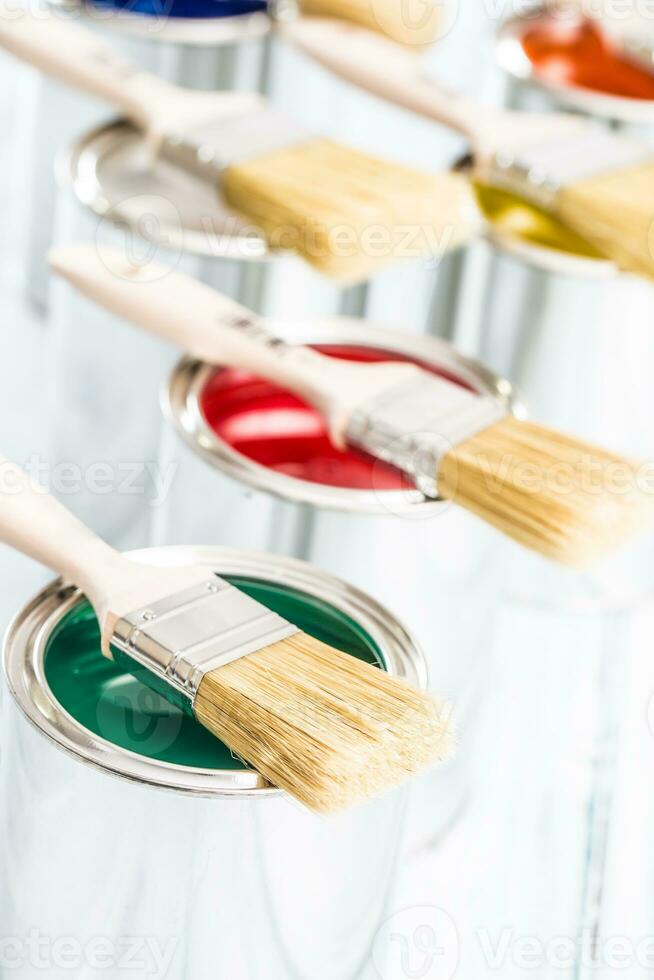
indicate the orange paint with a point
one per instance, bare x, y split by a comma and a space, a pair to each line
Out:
579, 55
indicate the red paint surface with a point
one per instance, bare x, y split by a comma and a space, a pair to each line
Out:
579, 55
276, 429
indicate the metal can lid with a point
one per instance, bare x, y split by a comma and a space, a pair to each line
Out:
94, 710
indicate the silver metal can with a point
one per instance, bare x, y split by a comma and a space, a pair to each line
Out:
567, 46
575, 336
569, 330
105, 376
207, 58
220, 874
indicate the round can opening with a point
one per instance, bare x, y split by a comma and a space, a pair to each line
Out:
578, 64
266, 438
276, 429
579, 54
112, 704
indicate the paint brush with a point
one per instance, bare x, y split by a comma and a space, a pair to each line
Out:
598, 182
345, 212
417, 23
316, 722
557, 495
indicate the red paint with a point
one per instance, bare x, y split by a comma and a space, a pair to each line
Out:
579, 55
276, 429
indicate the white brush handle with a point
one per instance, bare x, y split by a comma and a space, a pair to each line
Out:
217, 330
384, 68
76, 57
387, 69
34, 523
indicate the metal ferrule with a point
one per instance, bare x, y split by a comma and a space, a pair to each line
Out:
189, 634
540, 171
414, 425
208, 151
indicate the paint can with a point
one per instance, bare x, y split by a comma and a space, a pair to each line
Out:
200, 23
575, 337
106, 376
565, 56
582, 324
570, 331
188, 855
203, 55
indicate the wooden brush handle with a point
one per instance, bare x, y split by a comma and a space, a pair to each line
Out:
34, 523
217, 330
78, 58
386, 69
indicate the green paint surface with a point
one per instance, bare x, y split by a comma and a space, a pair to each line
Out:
112, 703
511, 215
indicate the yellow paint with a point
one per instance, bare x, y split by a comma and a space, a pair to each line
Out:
510, 215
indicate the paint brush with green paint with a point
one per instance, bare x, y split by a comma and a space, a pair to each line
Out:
327, 728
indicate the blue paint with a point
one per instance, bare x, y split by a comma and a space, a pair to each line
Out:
184, 8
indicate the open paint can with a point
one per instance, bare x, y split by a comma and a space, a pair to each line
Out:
187, 53
553, 321
199, 23
572, 60
551, 311
188, 854
575, 336
105, 376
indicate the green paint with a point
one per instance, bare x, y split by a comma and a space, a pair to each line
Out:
511, 215
108, 700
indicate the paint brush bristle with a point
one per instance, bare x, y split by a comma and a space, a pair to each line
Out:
417, 24
348, 213
330, 730
557, 495
615, 212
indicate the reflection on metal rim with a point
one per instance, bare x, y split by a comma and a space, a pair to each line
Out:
114, 173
